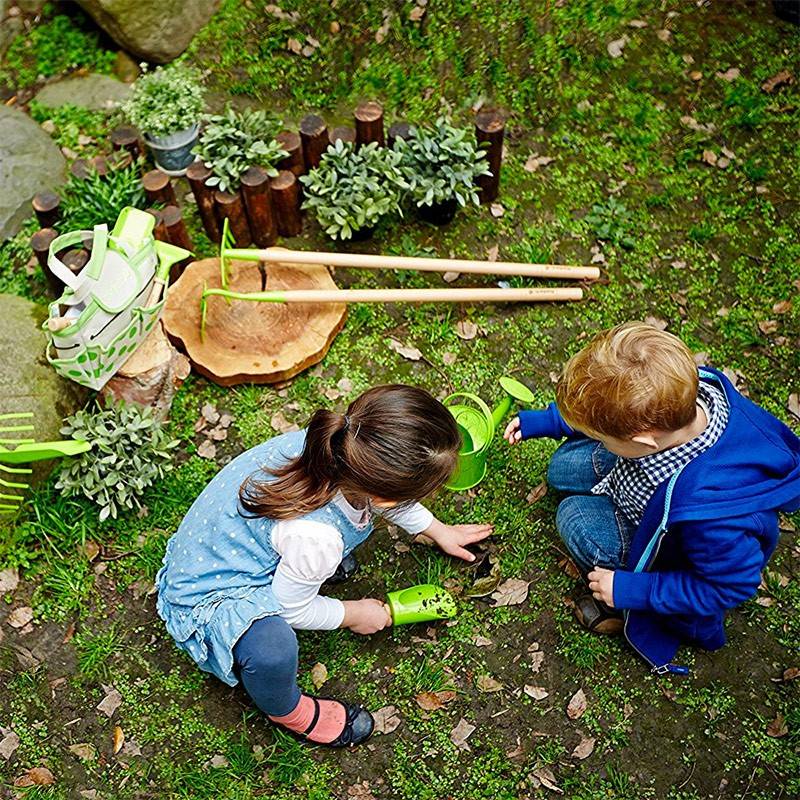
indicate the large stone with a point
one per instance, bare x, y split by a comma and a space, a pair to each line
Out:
156, 30
97, 92
30, 162
27, 381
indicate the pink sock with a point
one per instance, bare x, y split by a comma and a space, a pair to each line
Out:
329, 725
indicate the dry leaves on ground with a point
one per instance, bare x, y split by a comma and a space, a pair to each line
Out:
496, 210
111, 702
406, 351
360, 791
460, 734
779, 79
487, 684
768, 326
536, 494
778, 727
84, 750
537, 657
118, 740
534, 161
510, 593
547, 779
36, 776
281, 424
793, 404
481, 641
536, 692
20, 617
9, 580
730, 74
466, 330
386, 719
8, 744
433, 701
577, 705
656, 322
319, 674
207, 449
616, 47
584, 748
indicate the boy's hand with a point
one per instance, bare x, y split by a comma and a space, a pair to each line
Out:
365, 616
512, 433
601, 585
452, 539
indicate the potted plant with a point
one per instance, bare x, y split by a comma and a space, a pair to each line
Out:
165, 105
440, 165
353, 189
236, 140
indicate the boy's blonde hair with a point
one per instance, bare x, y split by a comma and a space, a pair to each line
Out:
629, 379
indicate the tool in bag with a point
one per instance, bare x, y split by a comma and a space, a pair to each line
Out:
108, 308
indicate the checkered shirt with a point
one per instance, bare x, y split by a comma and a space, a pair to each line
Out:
632, 481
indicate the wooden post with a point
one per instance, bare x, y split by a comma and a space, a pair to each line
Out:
45, 206
160, 230
490, 127
286, 201
314, 136
197, 174
40, 244
230, 207
369, 123
398, 130
345, 133
76, 259
158, 187
126, 138
80, 168
258, 204
291, 143
177, 234
99, 165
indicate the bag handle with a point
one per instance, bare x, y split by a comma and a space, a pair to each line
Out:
81, 283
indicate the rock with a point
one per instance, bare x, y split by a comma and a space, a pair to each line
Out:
96, 92
156, 30
27, 381
9, 29
30, 6
30, 162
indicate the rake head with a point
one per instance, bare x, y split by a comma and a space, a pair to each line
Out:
10, 503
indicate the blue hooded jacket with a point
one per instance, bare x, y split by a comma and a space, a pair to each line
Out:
707, 531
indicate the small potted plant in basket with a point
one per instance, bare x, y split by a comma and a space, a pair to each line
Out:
352, 190
235, 141
440, 165
166, 105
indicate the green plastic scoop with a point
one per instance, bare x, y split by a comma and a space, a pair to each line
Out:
423, 603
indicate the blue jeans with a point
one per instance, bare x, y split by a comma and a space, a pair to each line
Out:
266, 663
594, 530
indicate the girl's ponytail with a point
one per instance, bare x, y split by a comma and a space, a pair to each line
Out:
396, 443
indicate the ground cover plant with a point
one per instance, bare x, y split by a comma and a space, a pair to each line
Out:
678, 123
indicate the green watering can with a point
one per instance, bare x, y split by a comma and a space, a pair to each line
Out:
423, 603
477, 425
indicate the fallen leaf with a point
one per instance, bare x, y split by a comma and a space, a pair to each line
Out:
536, 692
779, 79
308, 51
765, 602
8, 744
450, 276
218, 434
781, 307
319, 674
9, 580
481, 641
664, 35
793, 404
433, 701
493, 252
537, 657
656, 322
295, 45
577, 705
210, 413
411, 353
111, 702
487, 577
84, 751
535, 161
217, 761
569, 569
709, 157
547, 779
118, 740
332, 394
767, 326
696, 75
511, 593
417, 13
360, 791
790, 674
207, 449
496, 210
448, 359
345, 385
20, 617
730, 74
466, 330
778, 727
723, 162
637, 23
487, 684
131, 748
386, 719
281, 424
37, 776
536, 494
460, 734
584, 748
616, 47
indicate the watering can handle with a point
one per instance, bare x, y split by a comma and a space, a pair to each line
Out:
478, 402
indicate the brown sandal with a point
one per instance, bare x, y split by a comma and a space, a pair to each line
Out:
597, 617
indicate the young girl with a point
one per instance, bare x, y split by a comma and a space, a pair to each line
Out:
246, 564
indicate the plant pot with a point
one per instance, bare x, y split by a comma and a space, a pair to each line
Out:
439, 213
362, 234
173, 153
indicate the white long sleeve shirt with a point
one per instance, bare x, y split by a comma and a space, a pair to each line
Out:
310, 553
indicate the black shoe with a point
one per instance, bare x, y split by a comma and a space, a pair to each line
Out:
358, 727
345, 570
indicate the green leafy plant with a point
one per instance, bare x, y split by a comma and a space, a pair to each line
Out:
441, 164
167, 100
354, 189
611, 222
131, 452
99, 198
233, 141
72, 124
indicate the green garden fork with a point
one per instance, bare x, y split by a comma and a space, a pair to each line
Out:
26, 451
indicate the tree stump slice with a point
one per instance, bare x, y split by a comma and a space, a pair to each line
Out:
250, 342
150, 376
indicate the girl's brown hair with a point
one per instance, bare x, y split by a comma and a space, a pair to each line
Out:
396, 442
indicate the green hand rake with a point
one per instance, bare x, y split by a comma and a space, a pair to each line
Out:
26, 451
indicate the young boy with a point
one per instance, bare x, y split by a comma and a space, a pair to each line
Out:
674, 482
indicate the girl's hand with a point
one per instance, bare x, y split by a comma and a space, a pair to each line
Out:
512, 433
452, 539
365, 616
601, 584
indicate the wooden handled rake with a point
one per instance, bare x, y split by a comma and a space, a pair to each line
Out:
367, 261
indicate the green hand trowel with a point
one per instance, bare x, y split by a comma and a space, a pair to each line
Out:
423, 603
477, 425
